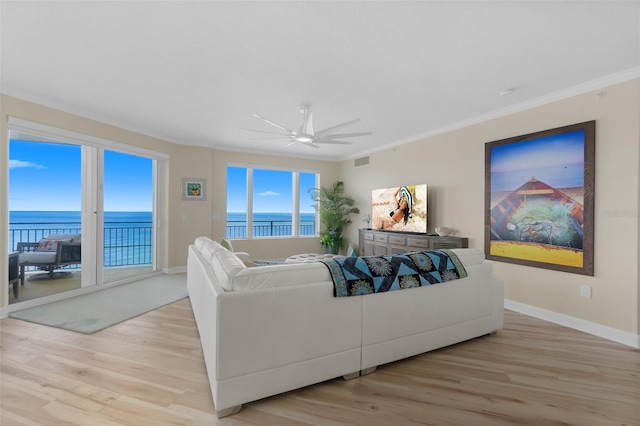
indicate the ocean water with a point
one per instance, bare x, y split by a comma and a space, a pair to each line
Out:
30, 219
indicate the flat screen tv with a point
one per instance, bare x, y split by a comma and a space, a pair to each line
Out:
401, 208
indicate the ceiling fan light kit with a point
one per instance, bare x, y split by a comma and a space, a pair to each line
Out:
306, 135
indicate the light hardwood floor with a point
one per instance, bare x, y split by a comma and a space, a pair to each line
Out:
150, 371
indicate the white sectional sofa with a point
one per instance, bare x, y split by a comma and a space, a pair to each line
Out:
270, 329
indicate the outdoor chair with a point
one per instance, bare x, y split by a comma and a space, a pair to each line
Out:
51, 253
13, 273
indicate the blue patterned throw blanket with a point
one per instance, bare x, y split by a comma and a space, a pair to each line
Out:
355, 276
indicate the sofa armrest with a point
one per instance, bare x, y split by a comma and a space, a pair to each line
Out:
69, 253
242, 256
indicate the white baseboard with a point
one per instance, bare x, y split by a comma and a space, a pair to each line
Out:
599, 330
175, 270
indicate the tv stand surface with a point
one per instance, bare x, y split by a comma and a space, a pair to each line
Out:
384, 243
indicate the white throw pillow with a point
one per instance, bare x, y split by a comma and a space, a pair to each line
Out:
48, 244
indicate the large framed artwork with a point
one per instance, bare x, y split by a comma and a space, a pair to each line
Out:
539, 199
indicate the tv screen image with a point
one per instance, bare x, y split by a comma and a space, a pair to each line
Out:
401, 208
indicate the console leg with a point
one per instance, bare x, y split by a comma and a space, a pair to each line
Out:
368, 370
351, 376
228, 411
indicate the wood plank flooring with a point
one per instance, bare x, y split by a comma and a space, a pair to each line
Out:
150, 371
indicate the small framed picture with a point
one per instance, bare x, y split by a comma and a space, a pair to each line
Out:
194, 189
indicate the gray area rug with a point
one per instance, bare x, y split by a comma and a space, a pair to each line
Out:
95, 311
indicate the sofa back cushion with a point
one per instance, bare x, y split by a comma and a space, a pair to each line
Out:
72, 238
469, 256
200, 242
209, 248
282, 275
47, 244
226, 265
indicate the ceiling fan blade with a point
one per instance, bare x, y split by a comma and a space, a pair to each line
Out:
307, 122
271, 138
271, 133
346, 135
311, 144
331, 141
328, 130
274, 124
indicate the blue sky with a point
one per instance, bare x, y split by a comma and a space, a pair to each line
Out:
47, 176
555, 160
272, 191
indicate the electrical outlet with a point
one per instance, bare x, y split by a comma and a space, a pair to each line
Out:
585, 291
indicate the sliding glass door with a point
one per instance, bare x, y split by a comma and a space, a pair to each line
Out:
128, 216
69, 188
45, 220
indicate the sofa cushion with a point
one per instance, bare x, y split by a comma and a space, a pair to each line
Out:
226, 265
73, 238
282, 275
469, 256
207, 252
35, 257
201, 241
209, 248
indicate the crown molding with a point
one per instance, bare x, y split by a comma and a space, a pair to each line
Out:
569, 92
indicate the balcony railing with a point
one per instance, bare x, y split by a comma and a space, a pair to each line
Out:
131, 243
125, 243
269, 228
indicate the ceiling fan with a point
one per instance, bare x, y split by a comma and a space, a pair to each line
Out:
307, 136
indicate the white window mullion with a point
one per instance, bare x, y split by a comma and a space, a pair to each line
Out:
159, 168
295, 219
249, 203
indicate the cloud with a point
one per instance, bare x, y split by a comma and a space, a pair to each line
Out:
17, 164
268, 194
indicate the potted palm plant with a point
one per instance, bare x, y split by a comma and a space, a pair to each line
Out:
334, 208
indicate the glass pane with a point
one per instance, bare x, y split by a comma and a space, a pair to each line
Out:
272, 203
45, 190
307, 205
236, 202
128, 215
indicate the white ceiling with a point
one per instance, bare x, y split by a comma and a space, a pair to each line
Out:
195, 72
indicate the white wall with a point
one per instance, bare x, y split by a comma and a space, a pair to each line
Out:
452, 164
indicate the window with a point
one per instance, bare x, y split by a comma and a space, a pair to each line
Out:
269, 203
